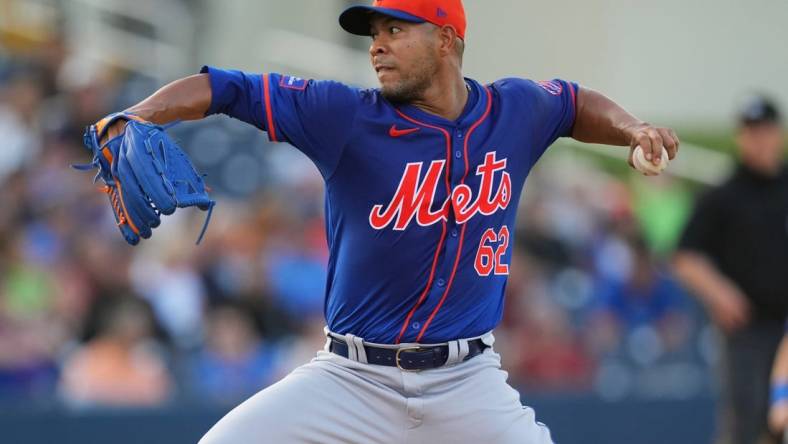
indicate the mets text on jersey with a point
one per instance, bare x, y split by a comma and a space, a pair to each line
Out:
414, 196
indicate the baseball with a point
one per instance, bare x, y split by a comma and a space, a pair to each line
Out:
646, 166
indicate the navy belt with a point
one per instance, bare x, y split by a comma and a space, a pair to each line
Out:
409, 358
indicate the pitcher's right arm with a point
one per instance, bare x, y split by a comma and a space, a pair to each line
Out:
184, 99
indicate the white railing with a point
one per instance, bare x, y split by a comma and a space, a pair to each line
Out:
153, 37
695, 163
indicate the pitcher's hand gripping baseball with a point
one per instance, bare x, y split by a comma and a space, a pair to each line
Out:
145, 174
651, 148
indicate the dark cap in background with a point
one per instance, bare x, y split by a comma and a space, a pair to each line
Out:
759, 109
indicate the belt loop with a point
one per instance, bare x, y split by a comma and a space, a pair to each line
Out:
463, 352
327, 346
352, 354
361, 353
355, 348
488, 339
454, 352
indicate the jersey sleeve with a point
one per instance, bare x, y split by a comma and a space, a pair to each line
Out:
548, 109
314, 116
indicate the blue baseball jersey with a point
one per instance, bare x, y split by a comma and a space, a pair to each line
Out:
420, 211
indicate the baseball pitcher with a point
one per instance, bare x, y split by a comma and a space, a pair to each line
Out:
423, 176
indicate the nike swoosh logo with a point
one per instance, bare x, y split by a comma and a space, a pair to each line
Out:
394, 132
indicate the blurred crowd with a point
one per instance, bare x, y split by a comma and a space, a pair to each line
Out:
86, 320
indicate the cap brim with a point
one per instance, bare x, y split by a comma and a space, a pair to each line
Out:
355, 19
755, 121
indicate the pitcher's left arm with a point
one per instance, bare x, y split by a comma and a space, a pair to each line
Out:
601, 120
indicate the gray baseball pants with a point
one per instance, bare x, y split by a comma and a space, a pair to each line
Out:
334, 399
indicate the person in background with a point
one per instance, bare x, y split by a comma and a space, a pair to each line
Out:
733, 256
236, 362
120, 366
647, 298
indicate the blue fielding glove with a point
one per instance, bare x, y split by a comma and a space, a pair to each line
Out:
145, 175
